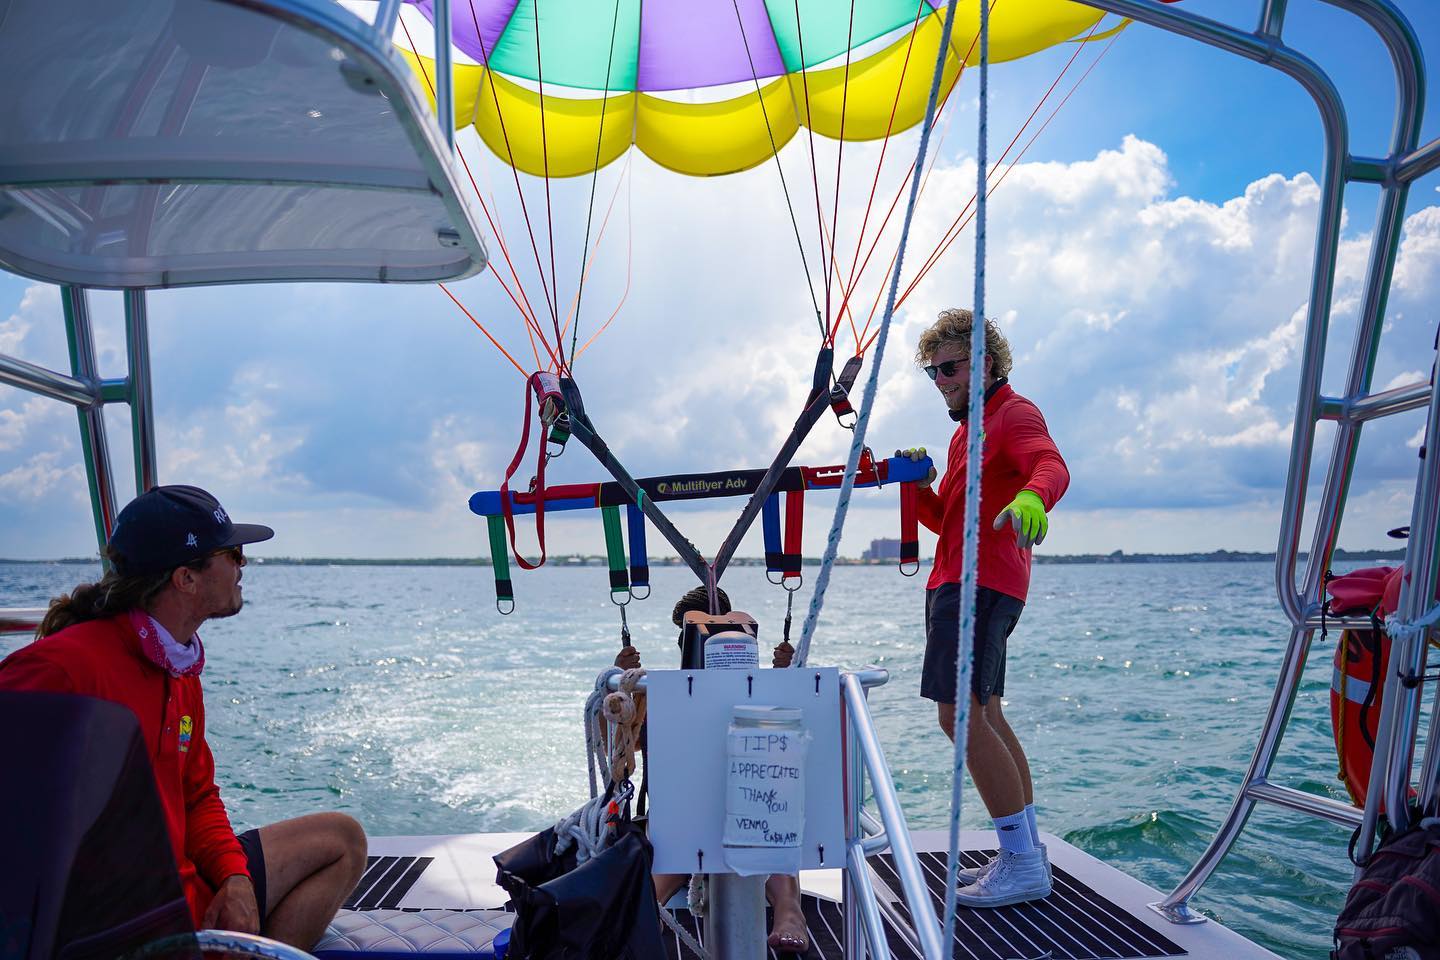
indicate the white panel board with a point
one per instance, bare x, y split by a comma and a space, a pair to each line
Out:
689, 711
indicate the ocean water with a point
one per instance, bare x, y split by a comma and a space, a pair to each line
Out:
399, 695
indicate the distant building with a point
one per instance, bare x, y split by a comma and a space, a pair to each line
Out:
882, 550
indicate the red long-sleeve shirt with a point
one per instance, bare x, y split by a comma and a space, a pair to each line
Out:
1018, 455
103, 658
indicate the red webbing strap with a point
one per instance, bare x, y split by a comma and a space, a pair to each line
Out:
546, 387
909, 528
794, 525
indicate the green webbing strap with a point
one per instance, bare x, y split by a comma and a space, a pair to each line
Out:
615, 552
500, 559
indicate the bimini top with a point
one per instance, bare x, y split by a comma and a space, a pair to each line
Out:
163, 143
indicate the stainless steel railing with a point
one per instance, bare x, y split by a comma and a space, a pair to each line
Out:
1302, 601
863, 743
20, 619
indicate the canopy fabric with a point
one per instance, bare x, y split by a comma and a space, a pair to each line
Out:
659, 51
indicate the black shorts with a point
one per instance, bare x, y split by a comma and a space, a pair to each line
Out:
255, 861
995, 617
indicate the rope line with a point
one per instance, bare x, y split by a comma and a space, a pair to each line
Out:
839, 156
957, 226
527, 312
514, 173
862, 419
549, 218
572, 315
814, 172
629, 259
970, 549
487, 333
884, 146
775, 152
594, 179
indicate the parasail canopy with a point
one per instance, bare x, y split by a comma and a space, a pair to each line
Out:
708, 87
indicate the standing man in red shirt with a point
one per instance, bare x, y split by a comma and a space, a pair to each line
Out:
175, 563
1022, 478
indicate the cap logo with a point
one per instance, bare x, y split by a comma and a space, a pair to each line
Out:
220, 516
190, 541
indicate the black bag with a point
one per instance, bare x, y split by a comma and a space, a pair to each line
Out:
1394, 908
603, 908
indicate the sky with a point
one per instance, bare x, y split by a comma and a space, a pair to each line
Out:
1148, 258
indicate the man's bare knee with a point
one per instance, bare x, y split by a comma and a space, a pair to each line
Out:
945, 714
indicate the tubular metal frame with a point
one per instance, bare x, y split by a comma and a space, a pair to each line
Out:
1412, 624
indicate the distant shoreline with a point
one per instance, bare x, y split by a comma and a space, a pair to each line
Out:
578, 560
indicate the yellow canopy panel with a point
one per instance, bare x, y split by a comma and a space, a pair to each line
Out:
727, 136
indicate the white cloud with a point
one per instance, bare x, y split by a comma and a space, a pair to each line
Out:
1160, 334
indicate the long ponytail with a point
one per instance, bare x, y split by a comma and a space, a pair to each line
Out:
111, 595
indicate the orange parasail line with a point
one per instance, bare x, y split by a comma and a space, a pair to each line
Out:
900, 189
483, 330
945, 245
629, 240
884, 146
594, 251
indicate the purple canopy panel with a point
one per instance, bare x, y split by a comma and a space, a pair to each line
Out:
473, 21
684, 44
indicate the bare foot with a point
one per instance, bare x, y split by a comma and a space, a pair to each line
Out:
788, 933
787, 930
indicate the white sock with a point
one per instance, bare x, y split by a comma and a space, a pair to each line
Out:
1014, 833
1030, 819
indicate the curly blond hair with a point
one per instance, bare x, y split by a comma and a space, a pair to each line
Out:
953, 326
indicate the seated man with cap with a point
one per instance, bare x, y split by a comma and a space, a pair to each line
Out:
175, 562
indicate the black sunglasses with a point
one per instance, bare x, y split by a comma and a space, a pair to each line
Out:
237, 554
947, 367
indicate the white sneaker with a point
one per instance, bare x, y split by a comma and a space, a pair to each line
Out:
968, 875
1012, 878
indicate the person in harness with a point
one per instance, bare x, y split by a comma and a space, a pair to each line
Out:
788, 932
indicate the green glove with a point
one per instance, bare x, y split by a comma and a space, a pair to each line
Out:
1026, 513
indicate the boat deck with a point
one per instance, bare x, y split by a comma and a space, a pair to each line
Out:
1095, 911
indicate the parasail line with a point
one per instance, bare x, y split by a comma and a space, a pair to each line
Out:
514, 174
572, 315
946, 237
594, 177
884, 146
549, 218
839, 155
775, 152
814, 173
487, 333
629, 259
527, 312
862, 344
950, 238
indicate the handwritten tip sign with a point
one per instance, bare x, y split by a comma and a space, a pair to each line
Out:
765, 790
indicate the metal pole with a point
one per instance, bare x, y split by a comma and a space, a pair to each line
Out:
444, 81
857, 875
1176, 906
851, 891
907, 865
92, 418
142, 415
735, 924
47, 383
1408, 653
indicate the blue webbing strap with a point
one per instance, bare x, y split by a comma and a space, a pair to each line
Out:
639, 561
770, 523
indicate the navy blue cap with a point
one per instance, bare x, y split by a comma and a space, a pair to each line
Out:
166, 527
